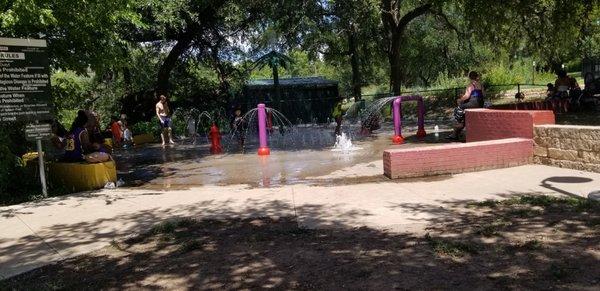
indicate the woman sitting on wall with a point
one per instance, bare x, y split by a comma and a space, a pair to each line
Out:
473, 98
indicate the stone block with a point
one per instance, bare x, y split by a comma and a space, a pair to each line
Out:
580, 144
540, 151
554, 132
571, 144
541, 160
560, 154
592, 168
547, 142
589, 134
567, 164
591, 157
569, 131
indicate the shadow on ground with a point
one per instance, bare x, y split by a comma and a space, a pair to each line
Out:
524, 242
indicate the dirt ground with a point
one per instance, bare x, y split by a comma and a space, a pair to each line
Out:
527, 242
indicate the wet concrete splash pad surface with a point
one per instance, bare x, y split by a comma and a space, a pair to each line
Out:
308, 159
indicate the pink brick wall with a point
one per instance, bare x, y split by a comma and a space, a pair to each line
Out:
457, 158
490, 124
557, 106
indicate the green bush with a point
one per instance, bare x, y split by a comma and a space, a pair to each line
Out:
17, 181
179, 123
501, 74
69, 92
444, 81
144, 127
8, 165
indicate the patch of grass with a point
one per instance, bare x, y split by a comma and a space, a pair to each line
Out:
492, 228
169, 226
560, 271
524, 212
561, 203
545, 201
594, 222
115, 244
536, 200
530, 245
451, 248
190, 245
533, 244
55, 283
294, 231
487, 203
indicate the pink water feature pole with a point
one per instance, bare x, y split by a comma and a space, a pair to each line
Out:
397, 115
263, 149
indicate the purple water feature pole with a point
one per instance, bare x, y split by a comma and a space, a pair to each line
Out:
421, 118
263, 149
397, 115
396, 111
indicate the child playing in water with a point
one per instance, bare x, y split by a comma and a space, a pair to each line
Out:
117, 134
127, 135
338, 115
238, 127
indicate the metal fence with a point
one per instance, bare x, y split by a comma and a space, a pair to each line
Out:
434, 98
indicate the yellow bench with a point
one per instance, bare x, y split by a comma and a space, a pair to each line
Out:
82, 176
143, 138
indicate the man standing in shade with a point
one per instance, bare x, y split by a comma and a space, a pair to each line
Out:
163, 112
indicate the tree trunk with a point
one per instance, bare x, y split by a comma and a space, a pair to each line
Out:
127, 79
395, 28
355, 63
220, 70
396, 69
162, 80
276, 83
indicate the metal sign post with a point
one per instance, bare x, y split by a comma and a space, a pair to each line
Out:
533, 74
42, 168
38, 132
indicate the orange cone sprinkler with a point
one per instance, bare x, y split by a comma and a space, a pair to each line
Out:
215, 140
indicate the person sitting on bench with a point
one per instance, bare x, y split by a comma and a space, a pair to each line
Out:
473, 98
78, 147
564, 84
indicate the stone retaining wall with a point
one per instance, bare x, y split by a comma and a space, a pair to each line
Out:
568, 146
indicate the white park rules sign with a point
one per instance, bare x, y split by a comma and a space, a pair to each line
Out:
24, 80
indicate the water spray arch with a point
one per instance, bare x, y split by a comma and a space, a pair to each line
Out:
397, 116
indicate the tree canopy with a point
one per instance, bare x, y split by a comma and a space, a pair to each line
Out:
137, 47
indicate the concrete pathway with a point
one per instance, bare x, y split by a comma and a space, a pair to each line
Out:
35, 234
